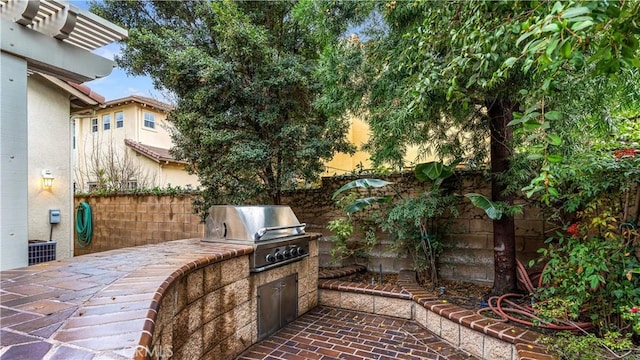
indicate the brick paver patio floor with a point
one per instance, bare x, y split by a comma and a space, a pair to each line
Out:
328, 333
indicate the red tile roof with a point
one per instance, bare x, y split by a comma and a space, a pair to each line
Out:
145, 101
87, 91
156, 154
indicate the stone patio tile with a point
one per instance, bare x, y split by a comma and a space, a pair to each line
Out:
45, 307
75, 285
17, 302
36, 324
67, 353
10, 338
113, 342
19, 318
36, 350
114, 308
26, 289
70, 334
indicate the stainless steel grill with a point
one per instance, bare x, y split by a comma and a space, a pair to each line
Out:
274, 231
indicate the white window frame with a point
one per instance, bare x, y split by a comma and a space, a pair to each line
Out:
119, 119
94, 125
106, 122
150, 121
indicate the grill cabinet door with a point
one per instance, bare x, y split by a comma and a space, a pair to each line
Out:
289, 299
277, 305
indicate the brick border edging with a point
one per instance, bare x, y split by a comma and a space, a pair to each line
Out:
148, 331
524, 342
335, 273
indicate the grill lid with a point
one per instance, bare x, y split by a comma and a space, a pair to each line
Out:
251, 223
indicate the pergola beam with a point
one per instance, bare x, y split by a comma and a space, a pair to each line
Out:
51, 56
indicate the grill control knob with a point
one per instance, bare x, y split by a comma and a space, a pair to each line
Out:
279, 256
300, 251
270, 258
289, 253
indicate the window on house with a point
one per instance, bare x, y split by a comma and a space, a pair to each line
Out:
132, 184
106, 122
119, 119
94, 125
149, 120
92, 185
74, 137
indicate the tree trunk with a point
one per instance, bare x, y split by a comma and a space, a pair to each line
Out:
500, 113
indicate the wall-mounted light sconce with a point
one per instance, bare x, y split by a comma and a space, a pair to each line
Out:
47, 179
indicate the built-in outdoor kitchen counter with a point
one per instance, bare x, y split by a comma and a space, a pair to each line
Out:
184, 299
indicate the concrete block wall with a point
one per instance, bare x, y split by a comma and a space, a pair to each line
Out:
121, 221
469, 237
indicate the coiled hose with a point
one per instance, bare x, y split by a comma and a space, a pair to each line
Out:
83, 224
509, 310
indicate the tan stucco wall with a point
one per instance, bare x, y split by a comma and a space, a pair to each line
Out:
49, 148
155, 137
175, 175
358, 135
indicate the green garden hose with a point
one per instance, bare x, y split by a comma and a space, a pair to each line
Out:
83, 224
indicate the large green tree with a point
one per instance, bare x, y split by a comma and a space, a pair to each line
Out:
242, 76
448, 75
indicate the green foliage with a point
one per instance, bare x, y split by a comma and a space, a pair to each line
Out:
613, 345
417, 228
358, 204
575, 48
446, 76
435, 171
631, 314
493, 209
416, 223
348, 242
591, 269
169, 190
608, 170
243, 76
593, 266
481, 201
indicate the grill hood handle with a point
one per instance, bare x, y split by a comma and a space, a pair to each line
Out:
263, 231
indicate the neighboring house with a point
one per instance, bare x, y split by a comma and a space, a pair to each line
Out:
360, 161
45, 50
125, 144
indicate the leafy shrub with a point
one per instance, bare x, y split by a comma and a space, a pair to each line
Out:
354, 234
612, 345
594, 266
417, 229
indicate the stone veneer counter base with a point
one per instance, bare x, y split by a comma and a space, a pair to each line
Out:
123, 303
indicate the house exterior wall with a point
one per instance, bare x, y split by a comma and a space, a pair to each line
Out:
176, 176
91, 145
49, 148
358, 135
159, 136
